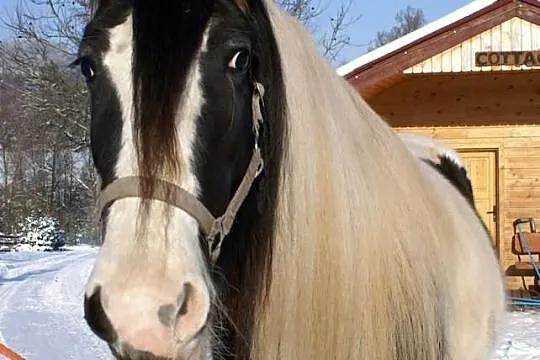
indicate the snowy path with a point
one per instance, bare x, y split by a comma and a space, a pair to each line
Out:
41, 306
41, 314
521, 340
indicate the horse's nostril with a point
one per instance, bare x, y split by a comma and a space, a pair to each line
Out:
169, 314
166, 314
97, 318
184, 299
193, 305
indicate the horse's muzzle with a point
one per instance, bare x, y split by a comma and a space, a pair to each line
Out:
137, 324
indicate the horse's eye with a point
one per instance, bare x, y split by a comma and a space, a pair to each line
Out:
86, 68
240, 60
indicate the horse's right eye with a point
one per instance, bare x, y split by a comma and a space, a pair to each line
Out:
240, 61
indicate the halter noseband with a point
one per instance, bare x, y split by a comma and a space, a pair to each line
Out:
214, 229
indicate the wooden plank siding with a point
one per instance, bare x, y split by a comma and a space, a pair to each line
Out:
512, 35
518, 176
480, 110
459, 99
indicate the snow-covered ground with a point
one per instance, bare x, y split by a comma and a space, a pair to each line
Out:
41, 298
41, 313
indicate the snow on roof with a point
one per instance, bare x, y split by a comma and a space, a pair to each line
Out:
411, 37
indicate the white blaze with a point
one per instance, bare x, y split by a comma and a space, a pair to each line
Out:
169, 253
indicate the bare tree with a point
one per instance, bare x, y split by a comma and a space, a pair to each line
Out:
45, 161
336, 35
44, 137
407, 20
53, 24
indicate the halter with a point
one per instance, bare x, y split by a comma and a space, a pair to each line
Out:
214, 229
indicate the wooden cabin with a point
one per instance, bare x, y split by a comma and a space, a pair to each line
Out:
472, 80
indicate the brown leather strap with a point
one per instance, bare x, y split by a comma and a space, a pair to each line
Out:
129, 187
215, 229
222, 225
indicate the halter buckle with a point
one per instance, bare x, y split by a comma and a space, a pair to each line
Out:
258, 94
215, 239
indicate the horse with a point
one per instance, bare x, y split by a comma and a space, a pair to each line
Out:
446, 161
443, 158
253, 206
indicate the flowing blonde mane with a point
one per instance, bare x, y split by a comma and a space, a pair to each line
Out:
360, 255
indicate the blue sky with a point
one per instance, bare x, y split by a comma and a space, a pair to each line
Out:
6, 8
375, 16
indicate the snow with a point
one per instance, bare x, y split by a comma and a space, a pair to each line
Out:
41, 314
40, 234
3, 270
521, 339
41, 305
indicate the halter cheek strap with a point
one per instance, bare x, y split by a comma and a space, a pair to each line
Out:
214, 229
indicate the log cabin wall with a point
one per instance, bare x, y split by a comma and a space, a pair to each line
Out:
480, 112
462, 99
517, 178
472, 80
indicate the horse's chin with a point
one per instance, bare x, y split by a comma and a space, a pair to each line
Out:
197, 348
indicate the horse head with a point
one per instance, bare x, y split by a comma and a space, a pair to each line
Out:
177, 110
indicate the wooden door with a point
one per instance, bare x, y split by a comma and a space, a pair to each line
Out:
482, 168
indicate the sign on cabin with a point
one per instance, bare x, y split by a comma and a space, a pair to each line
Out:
512, 58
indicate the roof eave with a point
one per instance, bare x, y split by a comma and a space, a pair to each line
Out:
473, 9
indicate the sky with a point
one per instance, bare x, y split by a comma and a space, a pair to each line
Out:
379, 15
376, 15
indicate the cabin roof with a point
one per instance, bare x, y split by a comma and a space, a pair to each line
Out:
415, 36
384, 66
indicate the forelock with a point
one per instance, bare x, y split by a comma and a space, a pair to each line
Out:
167, 35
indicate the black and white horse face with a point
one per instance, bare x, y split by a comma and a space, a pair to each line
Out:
171, 86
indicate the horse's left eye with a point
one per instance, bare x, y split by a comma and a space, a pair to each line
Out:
240, 60
86, 68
